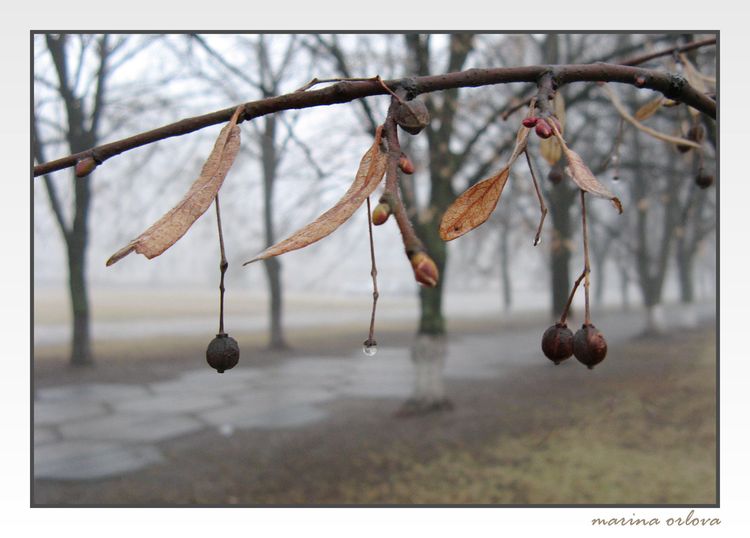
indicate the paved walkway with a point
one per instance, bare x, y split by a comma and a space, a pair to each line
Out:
92, 431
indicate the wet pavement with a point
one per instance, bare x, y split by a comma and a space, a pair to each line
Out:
98, 430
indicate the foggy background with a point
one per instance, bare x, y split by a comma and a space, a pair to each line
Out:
653, 266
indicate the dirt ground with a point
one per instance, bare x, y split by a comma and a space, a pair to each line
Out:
641, 430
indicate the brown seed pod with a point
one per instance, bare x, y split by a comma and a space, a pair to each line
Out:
412, 116
557, 343
223, 353
555, 176
589, 346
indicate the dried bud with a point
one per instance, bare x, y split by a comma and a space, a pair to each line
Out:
557, 343
405, 164
223, 353
589, 346
381, 213
543, 130
555, 175
85, 166
530, 122
412, 116
425, 270
704, 180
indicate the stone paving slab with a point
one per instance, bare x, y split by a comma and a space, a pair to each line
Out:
96, 392
268, 397
267, 417
82, 460
43, 436
132, 427
178, 402
56, 412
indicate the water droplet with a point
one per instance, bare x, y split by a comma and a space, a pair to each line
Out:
614, 160
369, 348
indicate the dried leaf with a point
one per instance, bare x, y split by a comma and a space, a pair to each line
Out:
473, 207
370, 173
477, 203
177, 221
638, 125
649, 109
550, 150
583, 176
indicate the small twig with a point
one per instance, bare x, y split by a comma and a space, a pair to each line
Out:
376, 78
564, 315
223, 265
586, 264
374, 273
542, 207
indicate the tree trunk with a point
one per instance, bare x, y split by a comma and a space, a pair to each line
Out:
272, 266
561, 198
428, 356
81, 347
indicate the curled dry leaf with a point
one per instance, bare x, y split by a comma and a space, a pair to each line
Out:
638, 125
477, 203
174, 224
583, 176
370, 173
649, 109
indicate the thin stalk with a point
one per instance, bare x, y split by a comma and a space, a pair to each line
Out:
586, 264
374, 274
223, 265
542, 207
564, 316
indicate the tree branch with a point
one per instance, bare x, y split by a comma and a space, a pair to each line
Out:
672, 86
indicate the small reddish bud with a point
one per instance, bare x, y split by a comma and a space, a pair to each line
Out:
530, 122
543, 130
425, 270
405, 164
381, 213
85, 166
640, 81
589, 346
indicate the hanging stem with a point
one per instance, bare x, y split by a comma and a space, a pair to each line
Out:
542, 207
586, 264
374, 274
564, 315
223, 265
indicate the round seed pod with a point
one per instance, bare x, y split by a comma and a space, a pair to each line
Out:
557, 343
412, 116
589, 346
223, 353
